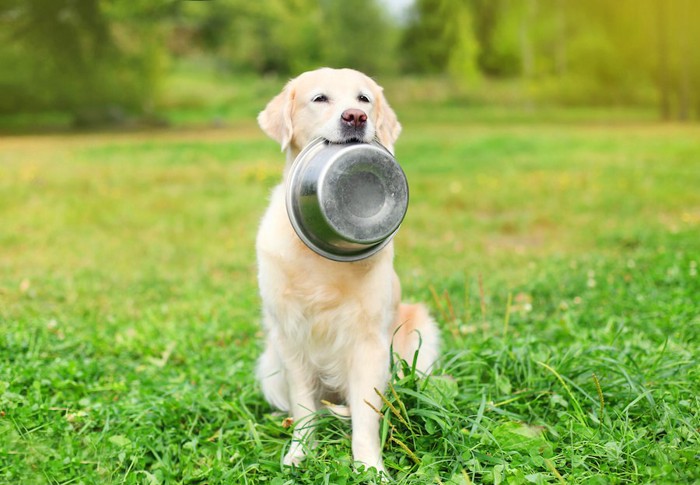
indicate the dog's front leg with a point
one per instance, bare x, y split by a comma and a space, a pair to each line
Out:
369, 371
303, 406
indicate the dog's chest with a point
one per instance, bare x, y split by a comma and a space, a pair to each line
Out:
315, 300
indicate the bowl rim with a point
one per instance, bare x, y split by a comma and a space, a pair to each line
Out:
300, 230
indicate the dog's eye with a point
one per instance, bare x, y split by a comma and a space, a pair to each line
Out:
320, 98
363, 99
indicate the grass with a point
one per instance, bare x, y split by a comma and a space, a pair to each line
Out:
559, 255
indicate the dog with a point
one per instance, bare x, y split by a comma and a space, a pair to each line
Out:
330, 326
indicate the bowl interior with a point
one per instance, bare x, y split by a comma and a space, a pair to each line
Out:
346, 201
363, 194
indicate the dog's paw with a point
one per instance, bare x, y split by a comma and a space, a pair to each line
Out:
295, 455
379, 466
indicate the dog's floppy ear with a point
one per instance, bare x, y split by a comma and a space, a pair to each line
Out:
388, 126
276, 119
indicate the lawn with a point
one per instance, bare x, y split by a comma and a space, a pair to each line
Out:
559, 253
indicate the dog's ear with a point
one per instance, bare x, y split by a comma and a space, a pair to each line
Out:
388, 126
276, 119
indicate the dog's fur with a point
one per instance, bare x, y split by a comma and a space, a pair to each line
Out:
330, 325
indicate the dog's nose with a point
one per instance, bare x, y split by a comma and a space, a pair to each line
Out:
354, 117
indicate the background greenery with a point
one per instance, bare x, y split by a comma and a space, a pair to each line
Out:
556, 240
100, 61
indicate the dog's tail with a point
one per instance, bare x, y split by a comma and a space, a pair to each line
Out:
415, 331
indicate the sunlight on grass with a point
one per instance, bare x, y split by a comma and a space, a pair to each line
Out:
563, 259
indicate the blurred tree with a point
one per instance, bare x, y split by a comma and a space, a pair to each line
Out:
527, 44
289, 36
459, 35
496, 28
424, 50
678, 67
99, 59
439, 38
76, 56
277, 36
359, 35
644, 43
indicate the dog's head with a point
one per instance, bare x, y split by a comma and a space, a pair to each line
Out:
340, 105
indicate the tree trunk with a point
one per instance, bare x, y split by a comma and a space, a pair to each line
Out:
664, 75
685, 100
561, 58
527, 50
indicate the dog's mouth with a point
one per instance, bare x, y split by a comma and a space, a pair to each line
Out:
353, 139
347, 140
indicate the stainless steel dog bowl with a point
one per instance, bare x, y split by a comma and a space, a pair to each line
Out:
346, 201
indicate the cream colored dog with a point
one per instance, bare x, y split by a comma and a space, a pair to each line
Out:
330, 325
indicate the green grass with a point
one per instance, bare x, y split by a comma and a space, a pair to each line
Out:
563, 254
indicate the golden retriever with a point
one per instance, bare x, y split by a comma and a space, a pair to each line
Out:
330, 325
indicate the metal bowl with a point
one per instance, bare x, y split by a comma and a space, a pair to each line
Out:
346, 201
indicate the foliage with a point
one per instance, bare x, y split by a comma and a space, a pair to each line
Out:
497, 35
101, 59
286, 37
439, 39
358, 34
563, 249
87, 58
592, 52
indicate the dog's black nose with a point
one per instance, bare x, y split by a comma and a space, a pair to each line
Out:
354, 117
